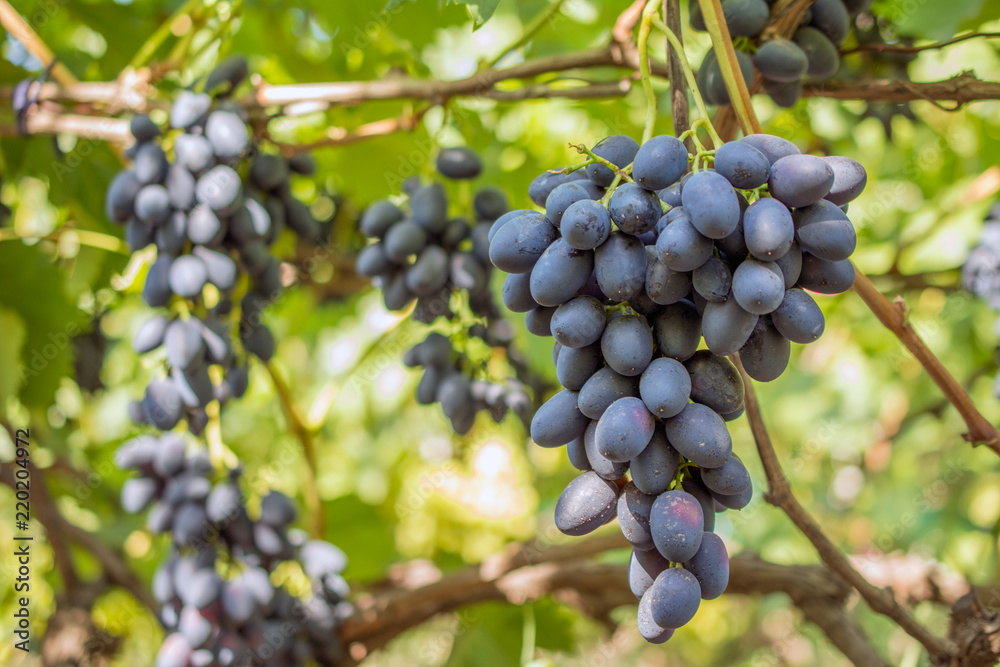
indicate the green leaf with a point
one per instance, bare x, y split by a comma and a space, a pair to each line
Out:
481, 11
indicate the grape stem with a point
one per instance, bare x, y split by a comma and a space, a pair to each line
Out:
649, 14
689, 75
722, 43
314, 505
623, 173
33, 44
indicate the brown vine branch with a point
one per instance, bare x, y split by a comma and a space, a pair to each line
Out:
678, 83
893, 316
417, 591
779, 494
314, 504
962, 88
894, 48
722, 44
33, 44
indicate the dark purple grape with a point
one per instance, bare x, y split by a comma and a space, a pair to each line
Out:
559, 273
204, 227
798, 318
404, 239
152, 204
765, 354
729, 479
220, 268
539, 320
712, 280
156, 290
520, 242
781, 60
184, 343
742, 165
624, 430
149, 336
711, 204
665, 387
430, 208
700, 435
558, 421
627, 344
188, 276
379, 217
576, 365
849, 179
654, 468
620, 264
726, 326
189, 109
758, 287
659, 162
259, 341
745, 18
644, 567
586, 504
648, 628
822, 54
227, 133
819, 275
428, 274
831, 18
562, 197
220, 189
634, 210
664, 286
459, 162
774, 148
546, 182
143, 128
120, 198
824, 231
715, 382
150, 164
680, 246
676, 521
618, 149
162, 404
194, 153
768, 229
634, 507
586, 224
677, 329
601, 465
180, 186
710, 566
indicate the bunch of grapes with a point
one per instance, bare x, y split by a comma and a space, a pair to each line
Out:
629, 269
425, 254
981, 273
212, 203
242, 618
812, 52
420, 252
450, 379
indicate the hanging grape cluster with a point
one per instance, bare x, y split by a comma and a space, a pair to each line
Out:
211, 201
243, 618
630, 269
812, 52
419, 252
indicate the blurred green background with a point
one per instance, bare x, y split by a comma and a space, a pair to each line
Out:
868, 443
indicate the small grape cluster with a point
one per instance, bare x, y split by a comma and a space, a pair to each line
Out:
212, 203
812, 52
426, 255
881, 64
981, 273
629, 292
449, 379
241, 619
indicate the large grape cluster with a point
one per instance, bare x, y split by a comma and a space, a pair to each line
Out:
419, 251
813, 51
212, 202
629, 292
981, 273
242, 618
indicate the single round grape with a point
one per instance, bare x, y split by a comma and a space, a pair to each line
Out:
700, 435
189, 109
711, 204
734, 502
162, 404
459, 162
791, 265
768, 229
664, 286
680, 246
560, 272
624, 429
188, 276
710, 566
824, 231
653, 469
712, 82
539, 320
220, 267
562, 197
429, 273
546, 182
765, 354
785, 95
430, 208
659, 162
849, 179
774, 148
665, 387
603, 467
577, 453
676, 521
180, 186
696, 488
517, 293
671, 195
259, 341
204, 227
758, 287
712, 280
800, 180
194, 153
627, 344
576, 365
634, 507
156, 290
819, 275
715, 382
648, 628
831, 18
490, 203
798, 318
227, 133
619, 150
620, 265
143, 129
558, 420
745, 18
404, 239
301, 220
824, 59
643, 568
729, 479
634, 209
184, 343
171, 236
677, 329
605, 387
150, 335
379, 217
781, 60
152, 204
193, 385
742, 165
585, 224
120, 198
150, 164
519, 243
586, 504
726, 325
220, 189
